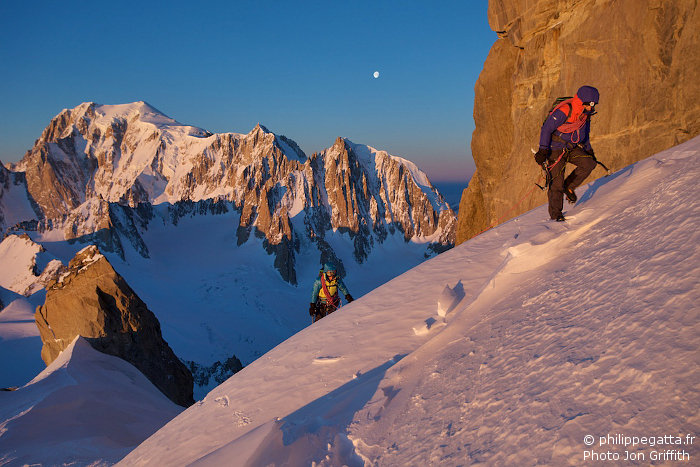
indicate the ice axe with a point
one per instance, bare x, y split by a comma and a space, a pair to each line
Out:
547, 175
547, 178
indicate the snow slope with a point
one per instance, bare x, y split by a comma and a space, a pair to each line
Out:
549, 332
15, 206
20, 344
18, 257
84, 408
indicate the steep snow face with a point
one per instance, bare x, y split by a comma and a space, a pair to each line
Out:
549, 333
18, 257
20, 344
15, 206
86, 408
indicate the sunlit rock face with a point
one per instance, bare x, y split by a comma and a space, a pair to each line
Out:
97, 172
643, 58
93, 301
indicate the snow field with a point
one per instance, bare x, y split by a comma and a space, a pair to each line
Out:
18, 257
589, 327
85, 406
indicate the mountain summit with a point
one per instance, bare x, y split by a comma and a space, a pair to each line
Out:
97, 172
221, 235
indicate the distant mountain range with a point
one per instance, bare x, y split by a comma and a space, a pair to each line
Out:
221, 235
97, 171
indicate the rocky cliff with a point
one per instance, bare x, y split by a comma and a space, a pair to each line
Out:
96, 172
93, 301
643, 58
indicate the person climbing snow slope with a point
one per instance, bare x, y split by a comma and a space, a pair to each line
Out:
324, 297
565, 138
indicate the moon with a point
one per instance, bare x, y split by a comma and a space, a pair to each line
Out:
376, 74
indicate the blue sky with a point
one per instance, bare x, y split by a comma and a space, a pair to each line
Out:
303, 69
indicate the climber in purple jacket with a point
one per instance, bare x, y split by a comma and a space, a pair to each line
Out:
565, 138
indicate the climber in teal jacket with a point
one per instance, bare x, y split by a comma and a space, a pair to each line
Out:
324, 297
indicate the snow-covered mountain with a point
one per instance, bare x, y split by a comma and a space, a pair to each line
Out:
221, 235
509, 349
517, 347
97, 171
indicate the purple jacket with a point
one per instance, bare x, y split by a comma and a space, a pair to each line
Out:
550, 126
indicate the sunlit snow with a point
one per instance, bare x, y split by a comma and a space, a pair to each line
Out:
588, 327
509, 349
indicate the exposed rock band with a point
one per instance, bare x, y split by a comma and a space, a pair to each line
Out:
564, 138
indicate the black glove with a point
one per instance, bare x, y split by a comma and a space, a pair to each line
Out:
312, 309
542, 155
348, 297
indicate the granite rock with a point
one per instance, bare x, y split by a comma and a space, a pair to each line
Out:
643, 58
92, 300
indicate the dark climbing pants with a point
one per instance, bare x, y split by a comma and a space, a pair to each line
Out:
584, 162
324, 309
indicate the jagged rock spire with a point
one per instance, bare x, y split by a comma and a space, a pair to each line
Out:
97, 171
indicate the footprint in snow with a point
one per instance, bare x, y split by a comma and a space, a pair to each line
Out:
326, 359
222, 401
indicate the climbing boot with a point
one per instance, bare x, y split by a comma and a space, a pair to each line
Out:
570, 195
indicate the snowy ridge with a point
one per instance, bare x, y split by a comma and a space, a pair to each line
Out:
555, 331
101, 158
84, 407
373, 158
26, 266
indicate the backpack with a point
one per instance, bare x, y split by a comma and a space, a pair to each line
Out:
556, 104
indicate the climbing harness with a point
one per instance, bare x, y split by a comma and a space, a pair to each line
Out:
548, 171
333, 300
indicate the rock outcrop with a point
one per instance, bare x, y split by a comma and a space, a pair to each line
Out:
93, 301
643, 58
218, 371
